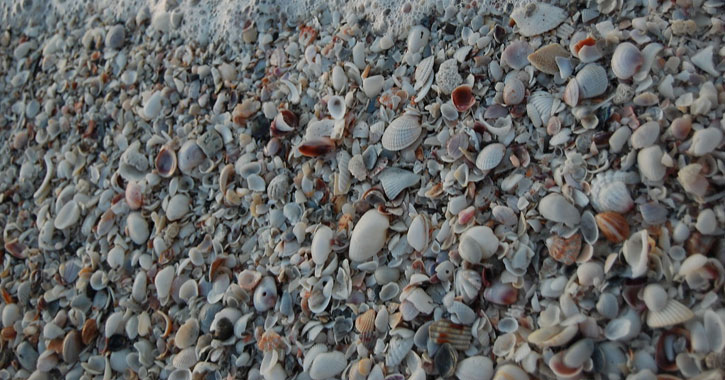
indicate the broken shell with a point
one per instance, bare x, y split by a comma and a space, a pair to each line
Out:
673, 313
636, 251
475, 368
166, 162
692, 180
444, 331
134, 195
189, 157
249, 279
373, 85
368, 236
564, 250
397, 351
626, 60
705, 141
556, 208
336, 106
572, 93
545, 60
515, 54
592, 80
418, 233
402, 132
462, 97
649, 161
395, 180
265, 295
445, 360
537, 18
614, 226
283, 123
513, 91
490, 156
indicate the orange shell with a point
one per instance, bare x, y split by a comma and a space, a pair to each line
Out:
565, 250
613, 226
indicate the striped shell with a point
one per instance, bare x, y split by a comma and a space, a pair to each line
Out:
613, 226
592, 80
610, 193
490, 156
402, 132
626, 60
395, 180
564, 250
365, 322
445, 331
672, 314
423, 71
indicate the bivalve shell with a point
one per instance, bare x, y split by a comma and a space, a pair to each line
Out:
673, 313
556, 208
368, 236
463, 98
649, 161
475, 368
510, 372
186, 358
537, 18
564, 250
636, 252
402, 132
321, 244
395, 180
490, 156
515, 54
336, 106
513, 91
613, 225
592, 80
544, 59
444, 331
626, 60
327, 364
705, 141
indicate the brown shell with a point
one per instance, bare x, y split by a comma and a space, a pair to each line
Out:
565, 250
365, 325
462, 97
444, 331
544, 59
613, 225
289, 118
89, 331
317, 147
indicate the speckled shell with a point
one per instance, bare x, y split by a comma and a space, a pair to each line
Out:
564, 250
445, 331
402, 132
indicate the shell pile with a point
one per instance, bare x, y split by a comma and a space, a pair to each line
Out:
478, 190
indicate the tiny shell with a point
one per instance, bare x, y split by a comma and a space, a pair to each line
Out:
544, 59
444, 331
513, 91
537, 18
556, 208
592, 80
368, 236
636, 251
613, 225
490, 156
626, 60
588, 227
463, 98
402, 132
564, 250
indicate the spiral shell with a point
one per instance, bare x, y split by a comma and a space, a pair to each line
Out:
402, 132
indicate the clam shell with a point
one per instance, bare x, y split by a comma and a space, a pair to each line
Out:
186, 358
714, 326
655, 297
418, 233
475, 368
71, 346
444, 331
537, 18
365, 322
477, 243
180, 374
397, 351
389, 291
578, 353
395, 180
673, 313
572, 93
636, 252
402, 132
449, 111
561, 370
327, 365
704, 141
490, 156
368, 236
163, 281
265, 295
336, 106
373, 85
645, 135
692, 180
339, 79
317, 146
189, 156
501, 294
592, 80
614, 226
564, 250
626, 60
516, 53
553, 336
649, 161
544, 59
321, 244
588, 227
556, 208
423, 71
463, 98
513, 91
187, 333
177, 207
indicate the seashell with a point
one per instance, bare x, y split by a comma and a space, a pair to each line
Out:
481, 237
449, 111
673, 313
592, 80
553, 336
706, 222
189, 157
163, 281
561, 370
649, 161
578, 353
515, 54
317, 146
265, 295
137, 227
626, 60
339, 79
714, 326
395, 180
365, 325
566, 68
467, 284
564, 250
501, 294
397, 351
68, 215
444, 331
89, 331
462, 97
186, 358
513, 91
418, 236
418, 37
692, 180
423, 71
71, 346
188, 290
389, 291
537, 18
556, 208
590, 273
336, 106
572, 93
645, 99
402, 132
283, 123
636, 251
445, 360
610, 194
614, 226
703, 60
134, 195
475, 368
180, 374
544, 59
510, 372
588, 227
704, 141
327, 365
177, 207
368, 236
543, 103
490, 156
321, 244
187, 333
655, 297
645, 135
373, 85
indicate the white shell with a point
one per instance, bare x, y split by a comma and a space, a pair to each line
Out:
645, 135
490, 156
402, 132
592, 80
706, 222
449, 111
655, 297
537, 18
138, 291
368, 236
703, 60
163, 283
373, 85
395, 180
189, 156
327, 364
423, 72
556, 208
543, 103
588, 227
672, 314
177, 207
68, 215
336, 106
626, 60
477, 243
572, 93
138, 228
578, 353
636, 252
624, 327
619, 138
186, 358
516, 53
513, 91
609, 192
715, 330
397, 351
339, 79
265, 295
475, 368
180, 374
418, 233
705, 141
321, 244
418, 37
510, 372
649, 161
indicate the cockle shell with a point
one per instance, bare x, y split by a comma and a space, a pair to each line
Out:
368, 236
626, 60
463, 98
398, 349
609, 193
671, 314
592, 81
537, 18
556, 208
477, 243
544, 59
336, 106
444, 331
613, 225
564, 250
513, 91
475, 368
402, 132
395, 180
423, 71
190, 156
321, 244
490, 156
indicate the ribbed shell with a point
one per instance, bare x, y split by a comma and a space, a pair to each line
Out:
186, 358
613, 225
672, 314
592, 80
564, 250
609, 193
490, 156
543, 103
423, 71
395, 180
402, 132
445, 331
397, 351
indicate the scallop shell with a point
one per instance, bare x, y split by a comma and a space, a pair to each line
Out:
397, 351
516, 53
544, 59
463, 98
556, 208
368, 236
490, 156
543, 103
673, 313
537, 18
186, 358
626, 60
592, 80
166, 162
402, 132
564, 250
395, 180
475, 368
610, 194
327, 365
613, 225
513, 91
444, 331
336, 106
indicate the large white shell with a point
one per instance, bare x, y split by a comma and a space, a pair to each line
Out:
705, 141
418, 37
475, 368
537, 18
490, 156
336, 107
636, 252
626, 60
368, 236
649, 161
402, 132
373, 85
477, 243
321, 244
592, 80
395, 180
327, 364
556, 208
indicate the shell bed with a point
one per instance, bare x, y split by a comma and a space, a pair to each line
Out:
373, 189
